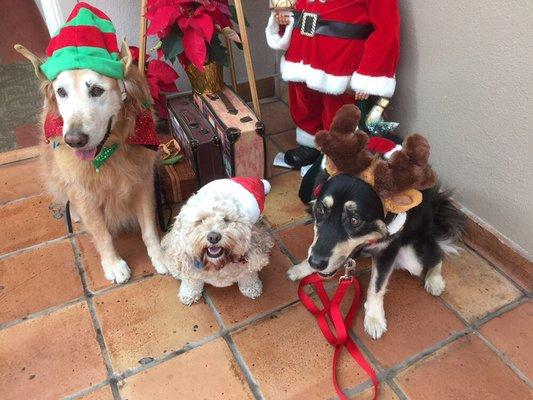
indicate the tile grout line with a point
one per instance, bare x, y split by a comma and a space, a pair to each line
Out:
497, 268
471, 328
35, 246
20, 199
96, 322
308, 220
397, 389
41, 313
20, 159
505, 360
86, 391
499, 311
252, 383
260, 317
409, 361
167, 357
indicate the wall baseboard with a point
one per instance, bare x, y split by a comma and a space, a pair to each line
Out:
496, 249
266, 87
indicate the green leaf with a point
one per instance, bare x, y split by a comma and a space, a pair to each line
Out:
233, 16
218, 52
172, 45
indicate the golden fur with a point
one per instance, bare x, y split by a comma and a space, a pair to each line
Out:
121, 193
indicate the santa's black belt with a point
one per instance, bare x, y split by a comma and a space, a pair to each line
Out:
311, 24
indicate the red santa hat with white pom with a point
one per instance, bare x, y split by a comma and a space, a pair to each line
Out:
250, 192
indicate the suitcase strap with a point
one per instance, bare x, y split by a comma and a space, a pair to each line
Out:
227, 103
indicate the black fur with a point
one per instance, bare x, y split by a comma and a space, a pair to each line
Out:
434, 221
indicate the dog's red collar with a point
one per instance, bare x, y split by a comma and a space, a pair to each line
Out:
144, 134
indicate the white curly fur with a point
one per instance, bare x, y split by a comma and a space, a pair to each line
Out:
246, 247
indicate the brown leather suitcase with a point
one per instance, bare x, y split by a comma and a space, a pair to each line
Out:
178, 182
198, 139
241, 133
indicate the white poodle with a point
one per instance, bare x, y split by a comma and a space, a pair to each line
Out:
216, 239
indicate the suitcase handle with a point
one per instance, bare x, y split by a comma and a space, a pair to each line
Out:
230, 108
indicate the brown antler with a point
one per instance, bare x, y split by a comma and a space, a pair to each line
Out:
344, 145
407, 168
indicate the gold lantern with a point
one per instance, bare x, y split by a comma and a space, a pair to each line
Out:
282, 5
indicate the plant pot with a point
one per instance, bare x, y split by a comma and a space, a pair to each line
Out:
209, 81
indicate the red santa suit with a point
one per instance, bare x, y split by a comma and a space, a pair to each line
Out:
320, 68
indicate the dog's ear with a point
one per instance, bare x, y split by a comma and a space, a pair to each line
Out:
403, 201
36, 61
125, 56
50, 102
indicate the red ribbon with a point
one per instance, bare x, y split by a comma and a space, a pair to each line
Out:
331, 310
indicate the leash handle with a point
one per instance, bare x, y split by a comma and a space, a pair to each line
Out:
331, 310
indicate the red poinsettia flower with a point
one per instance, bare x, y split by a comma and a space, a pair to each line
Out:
162, 14
198, 29
161, 79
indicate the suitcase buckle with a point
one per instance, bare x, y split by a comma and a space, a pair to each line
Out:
309, 21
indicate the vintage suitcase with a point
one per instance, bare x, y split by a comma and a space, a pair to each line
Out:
198, 139
241, 133
178, 182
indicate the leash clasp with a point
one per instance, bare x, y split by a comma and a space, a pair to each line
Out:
349, 269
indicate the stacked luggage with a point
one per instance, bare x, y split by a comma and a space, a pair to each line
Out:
220, 137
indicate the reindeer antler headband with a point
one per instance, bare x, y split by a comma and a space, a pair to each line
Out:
396, 176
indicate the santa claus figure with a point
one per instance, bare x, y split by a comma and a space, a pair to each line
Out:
337, 52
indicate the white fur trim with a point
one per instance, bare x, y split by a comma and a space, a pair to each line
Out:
315, 79
397, 223
274, 39
389, 153
304, 138
266, 186
376, 85
227, 187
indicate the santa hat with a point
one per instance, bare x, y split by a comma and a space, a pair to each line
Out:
383, 146
250, 192
86, 41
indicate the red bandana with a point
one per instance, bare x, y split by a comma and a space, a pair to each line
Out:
143, 135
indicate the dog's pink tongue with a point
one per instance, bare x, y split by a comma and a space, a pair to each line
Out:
86, 155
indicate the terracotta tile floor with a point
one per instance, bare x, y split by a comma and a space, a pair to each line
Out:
66, 332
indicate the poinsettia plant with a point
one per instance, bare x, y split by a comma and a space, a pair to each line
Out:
188, 30
161, 79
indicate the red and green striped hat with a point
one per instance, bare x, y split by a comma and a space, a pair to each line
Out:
86, 41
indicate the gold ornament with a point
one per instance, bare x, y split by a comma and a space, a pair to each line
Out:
282, 5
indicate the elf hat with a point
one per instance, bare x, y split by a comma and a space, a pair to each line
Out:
250, 192
86, 41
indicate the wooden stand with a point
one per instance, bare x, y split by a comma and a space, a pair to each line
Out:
247, 57
142, 38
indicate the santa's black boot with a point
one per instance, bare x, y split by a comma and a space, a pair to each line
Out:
301, 156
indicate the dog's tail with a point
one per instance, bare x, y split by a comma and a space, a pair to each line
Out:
449, 222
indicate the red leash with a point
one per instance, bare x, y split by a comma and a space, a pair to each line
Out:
332, 311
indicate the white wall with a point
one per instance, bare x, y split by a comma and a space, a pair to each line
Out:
465, 81
125, 15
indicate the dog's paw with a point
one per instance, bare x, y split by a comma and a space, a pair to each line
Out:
375, 326
435, 285
252, 290
299, 271
188, 298
160, 265
118, 272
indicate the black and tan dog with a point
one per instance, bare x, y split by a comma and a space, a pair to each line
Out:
351, 213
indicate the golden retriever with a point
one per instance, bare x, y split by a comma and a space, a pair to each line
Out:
97, 109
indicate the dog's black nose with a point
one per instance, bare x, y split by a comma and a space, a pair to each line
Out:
213, 237
318, 262
76, 139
